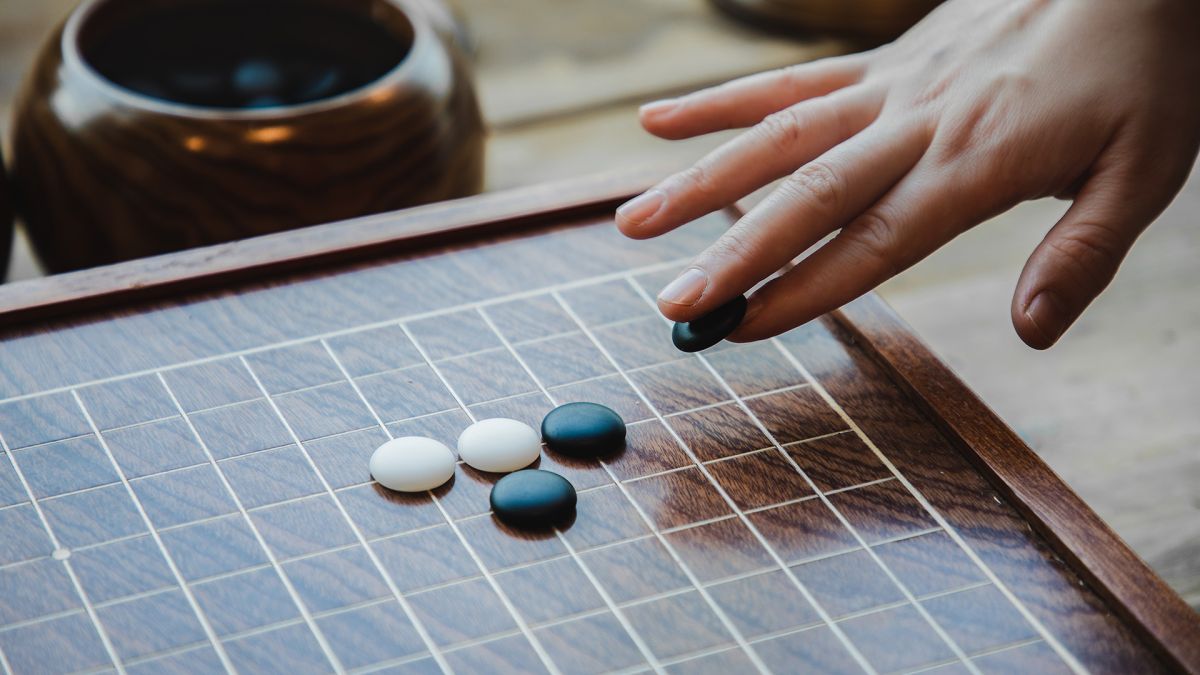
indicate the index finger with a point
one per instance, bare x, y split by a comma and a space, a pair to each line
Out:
917, 216
815, 200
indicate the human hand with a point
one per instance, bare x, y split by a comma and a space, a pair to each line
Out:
984, 104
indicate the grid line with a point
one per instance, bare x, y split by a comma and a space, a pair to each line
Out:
491, 637
937, 628
767, 448
417, 624
44, 618
986, 652
383, 323
1050, 639
480, 307
373, 425
293, 622
910, 598
754, 657
262, 630
308, 388
83, 596
695, 656
166, 653
241, 507
722, 402
4, 664
391, 663
1007, 647
638, 640
757, 639
408, 610
490, 579
266, 628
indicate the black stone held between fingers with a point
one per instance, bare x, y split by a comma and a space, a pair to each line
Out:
583, 429
708, 330
533, 498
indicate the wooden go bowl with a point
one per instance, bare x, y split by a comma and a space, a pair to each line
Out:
107, 171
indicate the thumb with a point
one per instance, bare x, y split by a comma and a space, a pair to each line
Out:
1078, 258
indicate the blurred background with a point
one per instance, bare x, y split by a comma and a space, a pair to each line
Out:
1112, 408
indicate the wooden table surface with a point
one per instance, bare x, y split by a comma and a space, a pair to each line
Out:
1109, 409
834, 499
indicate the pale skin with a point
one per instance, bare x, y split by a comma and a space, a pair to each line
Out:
983, 105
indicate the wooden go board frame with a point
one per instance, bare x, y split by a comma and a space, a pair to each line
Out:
184, 480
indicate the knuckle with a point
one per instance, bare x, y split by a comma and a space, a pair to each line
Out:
1094, 252
972, 127
818, 185
698, 179
930, 94
829, 112
985, 118
781, 129
873, 239
845, 121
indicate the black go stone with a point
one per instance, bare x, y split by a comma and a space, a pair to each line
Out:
583, 430
708, 330
533, 498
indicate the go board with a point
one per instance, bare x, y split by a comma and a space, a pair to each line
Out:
184, 483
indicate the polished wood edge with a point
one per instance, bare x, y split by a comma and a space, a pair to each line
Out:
320, 245
1081, 537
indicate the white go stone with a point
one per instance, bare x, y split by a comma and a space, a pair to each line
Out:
499, 445
412, 464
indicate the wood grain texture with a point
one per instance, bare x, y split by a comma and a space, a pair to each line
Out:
147, 176
1077, 533
250, 368
211, 266
1121, 435
970, 504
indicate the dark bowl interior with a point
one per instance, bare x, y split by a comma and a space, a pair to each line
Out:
244, 54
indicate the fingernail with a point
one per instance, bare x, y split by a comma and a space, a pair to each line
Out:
686, 289
641, 208
1048, 315
658, 107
